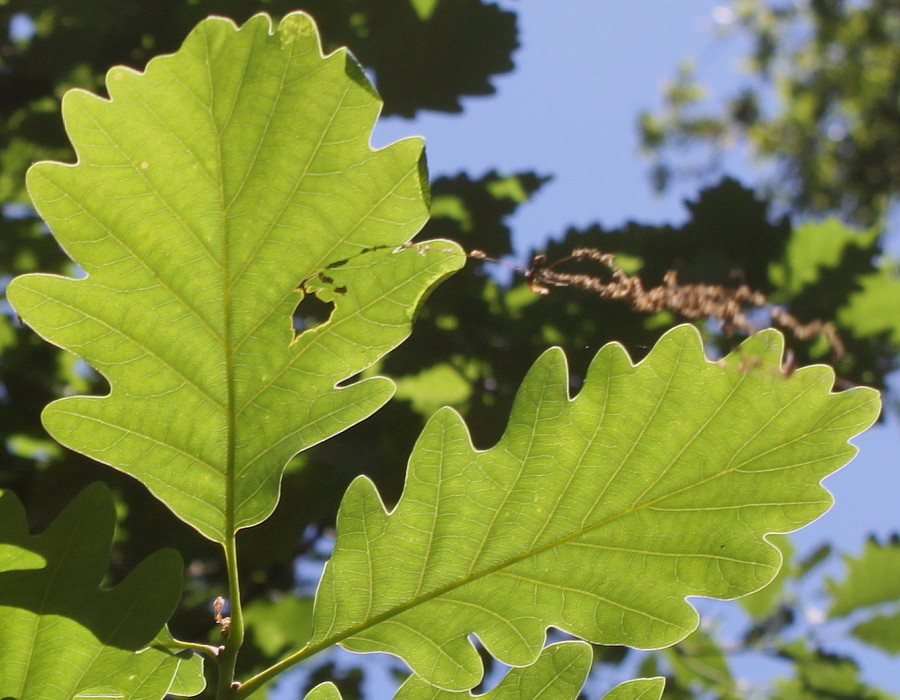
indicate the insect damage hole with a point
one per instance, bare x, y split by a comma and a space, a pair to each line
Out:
311, 313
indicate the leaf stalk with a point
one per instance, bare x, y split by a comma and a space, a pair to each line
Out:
228, 657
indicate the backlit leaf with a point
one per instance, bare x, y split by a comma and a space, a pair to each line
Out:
872, 585
558, 674
212, 193
875, 308
66, 637
816, 246
871, 578
424, 8
882, 631
324, 691
638, 689
597, 515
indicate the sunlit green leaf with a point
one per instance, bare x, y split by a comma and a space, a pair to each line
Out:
558, 674
211, 194
876, 308
882, 631
638, 689
813, 247
424, 8
871, 578
700, 661
324, 691
279, 625
821, 675
597, 514
432, 388
66, 637
871, 584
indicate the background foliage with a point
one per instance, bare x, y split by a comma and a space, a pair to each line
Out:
830, 128
819, 100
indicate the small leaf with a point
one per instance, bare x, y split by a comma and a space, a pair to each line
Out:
558, 674
871, 578
823, 675
324, 691
808, 563
875, 309
14, 555
597, 515
212, 193
882, 631
424, 8
816, 246
433, 388
698, 659
279, 625
64, 636
638, 689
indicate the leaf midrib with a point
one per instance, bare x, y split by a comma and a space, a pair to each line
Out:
561, 541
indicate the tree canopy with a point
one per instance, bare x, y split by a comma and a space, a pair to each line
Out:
819, 102
827, 285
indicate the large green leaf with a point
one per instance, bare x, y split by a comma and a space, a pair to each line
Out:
65, 637
596, 515
211, 193
558, 674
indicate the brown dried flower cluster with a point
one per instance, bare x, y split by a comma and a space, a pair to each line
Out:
692, 301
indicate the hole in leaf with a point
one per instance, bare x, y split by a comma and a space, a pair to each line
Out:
311, 313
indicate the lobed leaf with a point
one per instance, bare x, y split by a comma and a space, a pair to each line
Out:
324, 691
597, 515
212, 193
558, 674
871, 586
815, 247
871, 578
819, 674
64, 636
638, 689
875, 309
699, 661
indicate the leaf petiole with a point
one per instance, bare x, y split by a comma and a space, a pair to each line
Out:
228, 658
205, 649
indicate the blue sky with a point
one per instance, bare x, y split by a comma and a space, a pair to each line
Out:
584, 72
